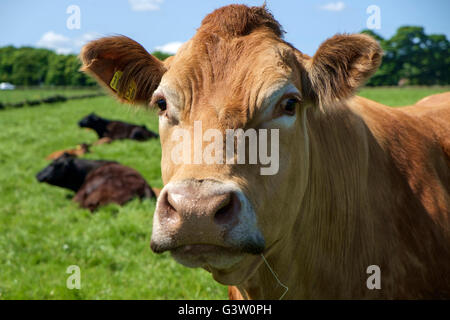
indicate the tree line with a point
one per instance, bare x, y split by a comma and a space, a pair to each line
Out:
27, 66
410, 57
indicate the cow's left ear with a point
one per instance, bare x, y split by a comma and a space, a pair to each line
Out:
124, 67
341, 65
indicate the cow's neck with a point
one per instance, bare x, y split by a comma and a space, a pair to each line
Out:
80, 172
358, 210
328, 249
101, 127
72, 181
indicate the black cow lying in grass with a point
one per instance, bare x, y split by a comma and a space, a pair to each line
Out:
96, 182
109, 130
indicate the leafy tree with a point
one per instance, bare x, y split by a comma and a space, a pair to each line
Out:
28, 65
56, 71
6, 63
31, 66
412, 55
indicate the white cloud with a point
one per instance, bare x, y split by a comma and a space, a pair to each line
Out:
54, 41
145, 5
85, 38
64, 45
171, 47
333, 6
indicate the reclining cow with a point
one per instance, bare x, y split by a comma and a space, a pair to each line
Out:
109, 130
361, 187
96, 182
80, 150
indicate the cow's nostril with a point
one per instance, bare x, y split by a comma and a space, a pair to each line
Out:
167, 202
41, 177
167, 206
229, 210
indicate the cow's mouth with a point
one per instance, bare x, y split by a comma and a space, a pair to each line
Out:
42, 177
208, 224
207, 256
227, 265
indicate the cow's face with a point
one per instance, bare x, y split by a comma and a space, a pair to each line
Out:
57, 172
142, 133
89, 121
220, 216
235, 73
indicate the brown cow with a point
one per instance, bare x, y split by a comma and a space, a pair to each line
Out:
112, 183
80, 150
435, 100
96, 182
110, 130
361, 188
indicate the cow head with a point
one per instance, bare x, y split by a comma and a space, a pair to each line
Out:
60, 172
235, 73
90, 121
141, 133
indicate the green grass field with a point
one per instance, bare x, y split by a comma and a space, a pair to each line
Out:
18, 95
42, 232
395, 97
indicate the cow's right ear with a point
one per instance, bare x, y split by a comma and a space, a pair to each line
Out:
124, 67
341, 65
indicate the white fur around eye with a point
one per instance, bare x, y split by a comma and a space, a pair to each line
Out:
173, 101
163, 119
285, 121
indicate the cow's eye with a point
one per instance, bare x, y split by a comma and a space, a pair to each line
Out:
162, 104
289, 105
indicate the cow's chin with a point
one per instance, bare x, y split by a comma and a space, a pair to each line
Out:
228, 267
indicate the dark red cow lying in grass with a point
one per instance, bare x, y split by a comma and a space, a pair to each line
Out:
109, 130
96, 182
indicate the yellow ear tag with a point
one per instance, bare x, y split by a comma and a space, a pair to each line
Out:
130, 93
115, 80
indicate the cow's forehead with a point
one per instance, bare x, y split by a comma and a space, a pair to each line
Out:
228, 75
213, 60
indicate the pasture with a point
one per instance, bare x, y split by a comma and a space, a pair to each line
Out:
42, 232
12, 96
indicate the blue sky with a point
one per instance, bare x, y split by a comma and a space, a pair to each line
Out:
164, 24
